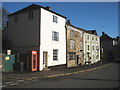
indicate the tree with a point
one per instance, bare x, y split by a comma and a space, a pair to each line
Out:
3, 18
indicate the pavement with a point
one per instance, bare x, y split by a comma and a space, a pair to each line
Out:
55, 72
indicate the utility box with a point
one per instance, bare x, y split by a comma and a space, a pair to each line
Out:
8, 61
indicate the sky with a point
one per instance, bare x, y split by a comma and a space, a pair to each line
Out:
99, 16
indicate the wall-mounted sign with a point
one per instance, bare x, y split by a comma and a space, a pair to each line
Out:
6, 58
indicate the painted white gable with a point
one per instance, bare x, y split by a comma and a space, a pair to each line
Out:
46, 43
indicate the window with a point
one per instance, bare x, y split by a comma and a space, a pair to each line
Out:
93, 48
55, 54
55, 36
93, 38
97, 48
16, 18
72, 44
71, 32
55, 19
81, 35
97, 56
87, 37
88, 46
72, 56
30, 14
96, 38
81, 46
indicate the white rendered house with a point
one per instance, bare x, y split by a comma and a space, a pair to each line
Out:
41, 29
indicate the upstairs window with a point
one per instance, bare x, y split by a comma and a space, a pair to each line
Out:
81, 35
88, 47
30, 14
72, 44
55, 36
87, 37
16, 18
93, 48
55, 19
81, 45
71, 32
97, 48
96, 39
93, 38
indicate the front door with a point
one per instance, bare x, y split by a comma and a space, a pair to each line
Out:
45, 59
77, 59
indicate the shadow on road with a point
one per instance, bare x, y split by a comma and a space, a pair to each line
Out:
95, 79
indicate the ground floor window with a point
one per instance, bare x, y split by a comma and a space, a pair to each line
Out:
55, 54
97, 56
72, 56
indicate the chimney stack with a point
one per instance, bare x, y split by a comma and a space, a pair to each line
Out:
103, 33
47, 7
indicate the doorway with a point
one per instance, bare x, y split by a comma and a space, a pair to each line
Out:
77, 59
45, 59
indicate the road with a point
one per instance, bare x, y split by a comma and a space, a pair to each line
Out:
104, 77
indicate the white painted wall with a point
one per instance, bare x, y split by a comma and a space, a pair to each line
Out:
46, 43
93, 54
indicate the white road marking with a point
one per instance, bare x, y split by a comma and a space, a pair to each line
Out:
13, 84
20, 80
8, 82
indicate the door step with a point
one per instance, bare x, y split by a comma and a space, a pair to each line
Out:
46, 69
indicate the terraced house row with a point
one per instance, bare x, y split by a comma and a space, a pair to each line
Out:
41, 38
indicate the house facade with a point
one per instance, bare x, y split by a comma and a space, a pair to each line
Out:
110, 47
91, 47
37, 28
75, 45
107, 45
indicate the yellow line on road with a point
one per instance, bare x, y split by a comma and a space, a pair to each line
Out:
76, 72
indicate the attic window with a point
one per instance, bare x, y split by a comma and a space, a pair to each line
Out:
55, 19
30, 14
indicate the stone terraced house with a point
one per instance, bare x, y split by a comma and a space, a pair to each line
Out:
83, 47
74, 45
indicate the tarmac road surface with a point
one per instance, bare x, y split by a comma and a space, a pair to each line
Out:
104, 77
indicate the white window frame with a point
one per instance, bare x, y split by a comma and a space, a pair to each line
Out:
71, 32
93, 48
55, 36
55, 54
87, 47
92, 38
81, 45
73, 55
55, 19
72, 44
81, 34
88, 37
